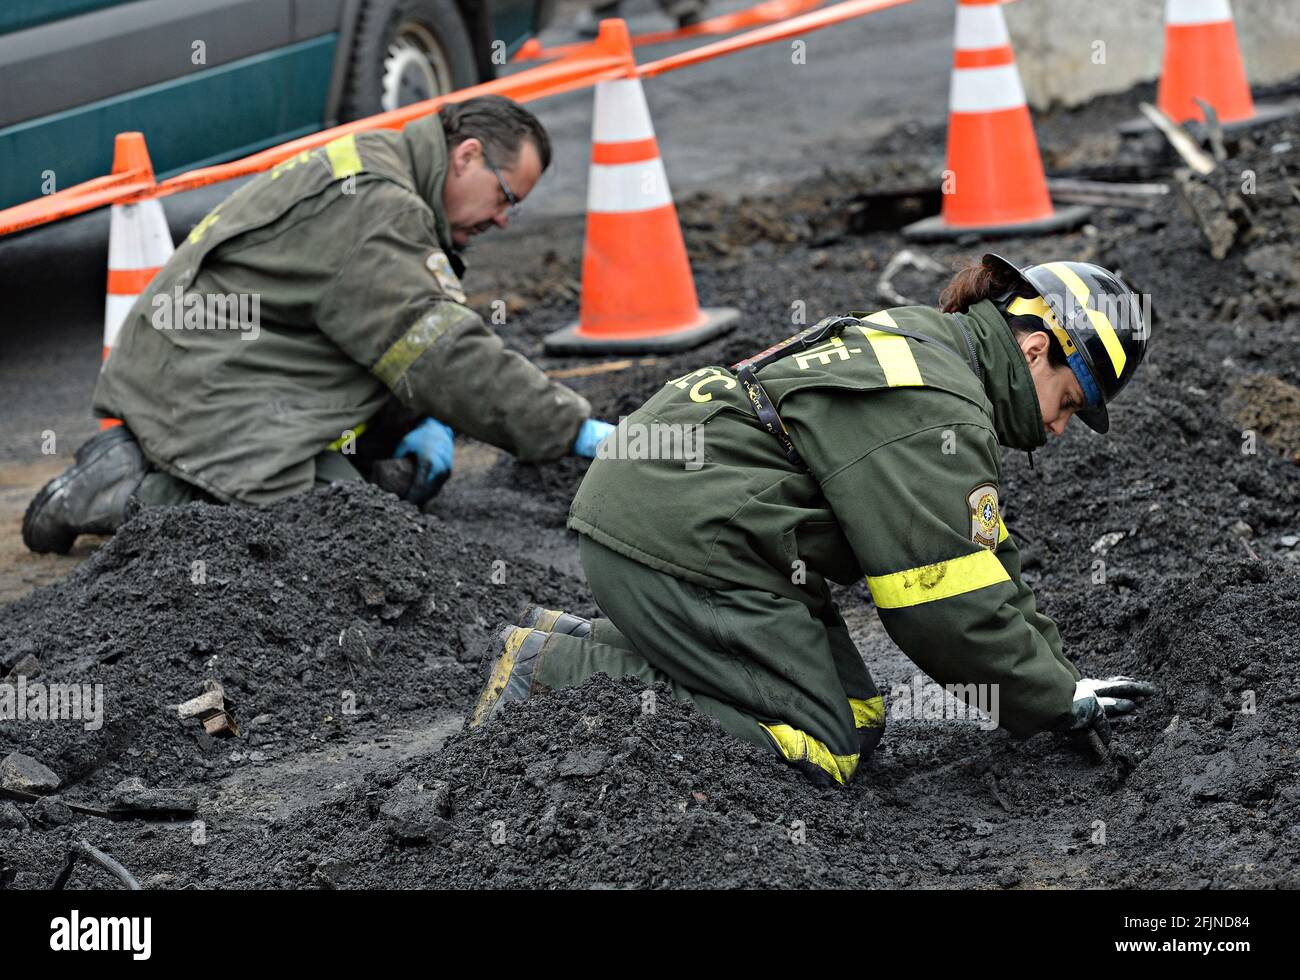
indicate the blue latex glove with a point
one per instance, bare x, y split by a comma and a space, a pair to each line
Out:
590, 436
432, 444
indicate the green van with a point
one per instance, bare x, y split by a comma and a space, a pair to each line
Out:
213, 80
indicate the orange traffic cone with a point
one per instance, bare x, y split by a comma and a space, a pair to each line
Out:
1203, 61
994, 184
139, 243
638, 295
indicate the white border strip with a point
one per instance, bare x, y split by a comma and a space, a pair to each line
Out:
623, 187
621, 114
980, 27
1185, 13
985, 89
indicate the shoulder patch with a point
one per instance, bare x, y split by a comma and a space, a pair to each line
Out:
983, 504
440, 266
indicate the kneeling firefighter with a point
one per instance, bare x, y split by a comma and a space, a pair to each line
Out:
867, 445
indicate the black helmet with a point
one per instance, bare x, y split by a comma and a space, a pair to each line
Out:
1096, 318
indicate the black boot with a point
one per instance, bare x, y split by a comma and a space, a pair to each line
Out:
89, 497
514, 655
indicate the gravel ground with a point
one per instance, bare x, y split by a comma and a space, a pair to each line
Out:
1167, 550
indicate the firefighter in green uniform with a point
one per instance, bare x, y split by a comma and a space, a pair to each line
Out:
865, 446
322, 298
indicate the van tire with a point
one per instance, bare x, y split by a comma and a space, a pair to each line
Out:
402, 48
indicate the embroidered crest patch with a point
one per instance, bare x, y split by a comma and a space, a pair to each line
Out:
440, 266
983, 503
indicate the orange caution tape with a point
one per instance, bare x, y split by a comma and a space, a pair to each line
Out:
766, 35
768, 12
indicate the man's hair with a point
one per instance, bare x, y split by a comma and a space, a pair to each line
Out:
500, 124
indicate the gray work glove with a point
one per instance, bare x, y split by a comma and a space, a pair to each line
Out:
1095, 701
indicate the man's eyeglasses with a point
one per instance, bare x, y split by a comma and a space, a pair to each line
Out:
512, 202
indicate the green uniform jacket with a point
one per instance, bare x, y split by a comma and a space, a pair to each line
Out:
902, 442
341, 259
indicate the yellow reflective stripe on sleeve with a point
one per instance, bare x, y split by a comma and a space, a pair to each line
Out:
893, 353
397, 360
869, 713
942, 580
341, 441
344, 158
799, 746
1003, 533
1100, 322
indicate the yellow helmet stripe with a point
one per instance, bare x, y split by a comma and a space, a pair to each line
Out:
1100, 322
1037, 306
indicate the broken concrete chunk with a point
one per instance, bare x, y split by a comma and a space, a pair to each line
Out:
51, 811
1277, 261
1221, 218
1107, 541
11, 818
415, 812
27, 667
25, 775
205, 703
211, 709
221, 724
583, 763
133, 794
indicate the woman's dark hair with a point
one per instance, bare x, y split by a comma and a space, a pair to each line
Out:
978, 281
500, 124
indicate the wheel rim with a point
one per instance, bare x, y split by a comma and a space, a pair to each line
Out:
416, 67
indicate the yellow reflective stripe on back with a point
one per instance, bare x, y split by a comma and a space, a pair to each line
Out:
344, 158
942, 580
397, 360
341, 441
799, 746
869, 713
893, 353
1100, 322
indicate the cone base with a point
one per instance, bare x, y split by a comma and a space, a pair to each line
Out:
936, 229
571, 340
1265, 112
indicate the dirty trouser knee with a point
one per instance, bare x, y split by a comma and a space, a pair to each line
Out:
765, 657
334, 467
160, 489
567, 661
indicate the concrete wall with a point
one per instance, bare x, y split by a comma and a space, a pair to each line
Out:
1054, 43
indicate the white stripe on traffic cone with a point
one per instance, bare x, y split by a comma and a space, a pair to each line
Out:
139, 244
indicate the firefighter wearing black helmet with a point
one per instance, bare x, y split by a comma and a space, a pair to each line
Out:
864, 447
